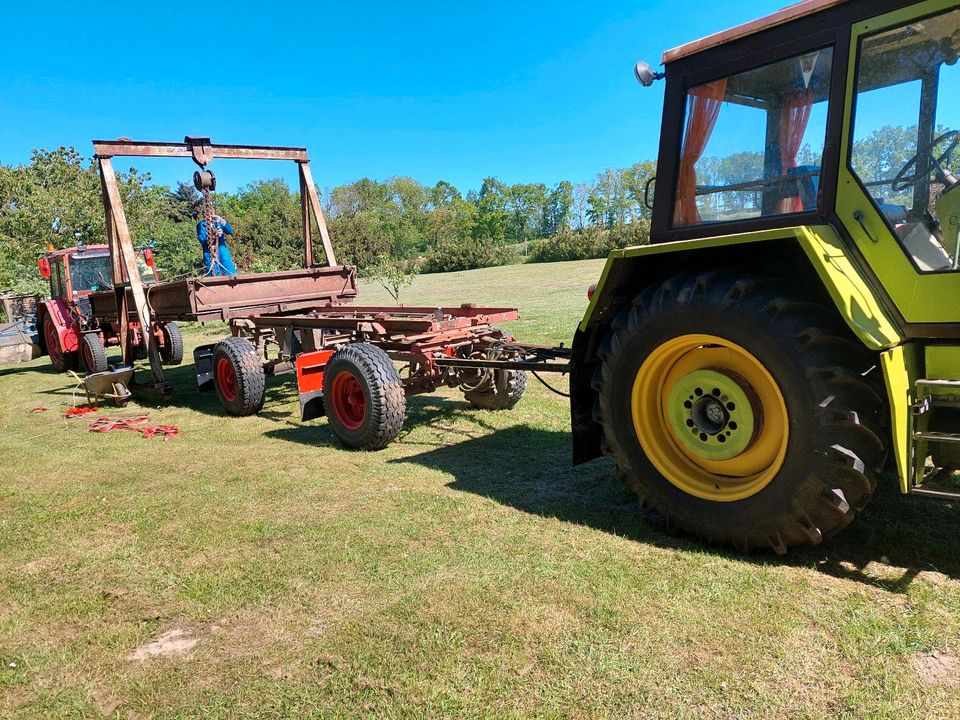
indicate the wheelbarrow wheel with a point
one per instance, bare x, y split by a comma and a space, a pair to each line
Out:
363, 396
238, 376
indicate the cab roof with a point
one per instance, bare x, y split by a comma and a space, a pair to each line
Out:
87, 249
787, 14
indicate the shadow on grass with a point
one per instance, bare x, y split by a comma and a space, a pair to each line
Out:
529, 469
19, 369
450, 416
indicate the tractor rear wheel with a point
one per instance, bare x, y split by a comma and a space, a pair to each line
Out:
172, 351
740, 411
93, 354
502, 392
238, 376
364, 397
59, 358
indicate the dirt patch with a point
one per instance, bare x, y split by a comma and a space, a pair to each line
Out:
939, 669
173, 642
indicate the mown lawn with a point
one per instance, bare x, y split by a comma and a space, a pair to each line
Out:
466, 571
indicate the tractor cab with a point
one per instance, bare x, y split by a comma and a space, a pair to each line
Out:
836, 113
76, 272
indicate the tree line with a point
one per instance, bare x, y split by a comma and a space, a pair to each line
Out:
55, 200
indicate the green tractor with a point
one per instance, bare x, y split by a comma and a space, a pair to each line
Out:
793, 328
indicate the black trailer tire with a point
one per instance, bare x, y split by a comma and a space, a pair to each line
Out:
61, 360
238, 376
172, 351
93, 354
831, 410
504, 391
364, 397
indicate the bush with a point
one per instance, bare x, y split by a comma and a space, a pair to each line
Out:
469, 254
589, 243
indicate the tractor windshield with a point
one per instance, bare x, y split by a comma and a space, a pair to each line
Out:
90, 272
93, 272
905, 139
753, 142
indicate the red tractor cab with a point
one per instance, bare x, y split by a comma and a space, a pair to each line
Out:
70, 332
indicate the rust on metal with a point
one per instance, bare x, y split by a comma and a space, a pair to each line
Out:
239, 296
791, 12
131, 148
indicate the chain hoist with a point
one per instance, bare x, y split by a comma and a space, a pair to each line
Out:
205, 181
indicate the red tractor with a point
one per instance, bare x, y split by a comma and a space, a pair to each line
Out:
70, 333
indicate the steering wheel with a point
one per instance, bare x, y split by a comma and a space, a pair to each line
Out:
902, 181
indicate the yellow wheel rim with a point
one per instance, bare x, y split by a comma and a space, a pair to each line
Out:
680, 430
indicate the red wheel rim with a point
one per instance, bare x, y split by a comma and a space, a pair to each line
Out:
53, 342
226, 379
349, 403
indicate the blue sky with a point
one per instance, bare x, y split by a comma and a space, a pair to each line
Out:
525, 91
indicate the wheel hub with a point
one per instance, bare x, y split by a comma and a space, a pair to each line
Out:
711, 413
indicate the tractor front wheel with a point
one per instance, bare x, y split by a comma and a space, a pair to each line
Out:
59, 358
238, 376
172, 351
740, 411
364, 397
93, 353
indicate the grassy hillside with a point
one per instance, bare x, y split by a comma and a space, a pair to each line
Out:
466, 571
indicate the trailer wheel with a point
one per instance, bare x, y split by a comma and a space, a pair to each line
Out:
93, 354
238, 376
502, 392
364, 397
61, 360
172, 351
741, 412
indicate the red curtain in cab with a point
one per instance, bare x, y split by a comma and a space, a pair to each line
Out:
793, 126
703, 109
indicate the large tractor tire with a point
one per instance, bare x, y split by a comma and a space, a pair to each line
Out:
93, 354
172, 351
59, 358
363, 396
741, 412
238, 376
502, 392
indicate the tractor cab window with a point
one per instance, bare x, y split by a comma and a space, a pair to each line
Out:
56, 278
90, 272
753, 142
905, 138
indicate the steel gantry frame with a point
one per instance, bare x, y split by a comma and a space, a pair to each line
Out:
202, 151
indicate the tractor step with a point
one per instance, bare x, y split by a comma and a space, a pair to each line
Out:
928, 383
941, 437
931, 394
938, 486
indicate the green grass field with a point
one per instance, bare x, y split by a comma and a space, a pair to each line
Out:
466, 571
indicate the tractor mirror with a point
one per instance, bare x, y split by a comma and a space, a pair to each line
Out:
645, 74
44, 266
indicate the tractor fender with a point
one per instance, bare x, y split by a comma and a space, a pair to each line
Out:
67, 328
816, 255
